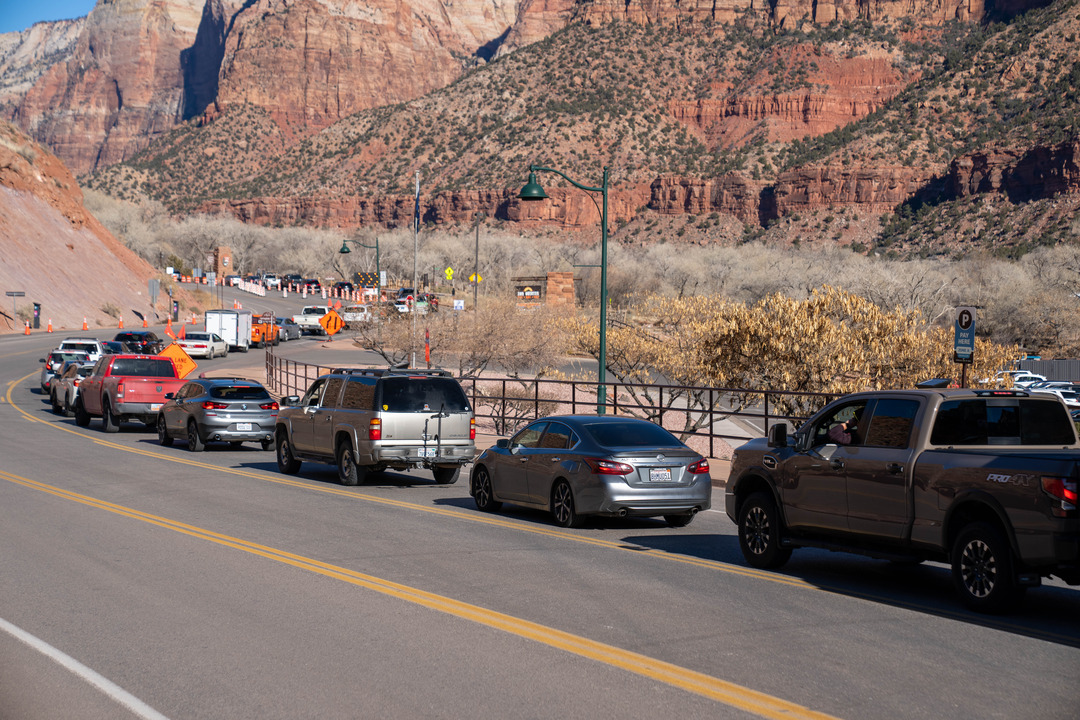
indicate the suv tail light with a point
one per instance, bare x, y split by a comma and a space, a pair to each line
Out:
1062, 489
374, 431
211, 405
700, 467
472, 428
269, 406
607, 467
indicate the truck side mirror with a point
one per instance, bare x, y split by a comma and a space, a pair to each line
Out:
778, 435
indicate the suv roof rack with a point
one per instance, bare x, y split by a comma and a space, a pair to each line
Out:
379, 372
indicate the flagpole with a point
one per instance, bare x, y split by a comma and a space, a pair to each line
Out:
416, 290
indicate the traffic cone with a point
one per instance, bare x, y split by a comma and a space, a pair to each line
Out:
183, 331
27, 328
84, 326
121, 323
144, 323
49, 327
168, 328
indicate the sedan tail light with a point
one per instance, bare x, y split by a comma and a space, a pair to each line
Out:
700, 467
374, 431
211, 405
607, 467
1064, 490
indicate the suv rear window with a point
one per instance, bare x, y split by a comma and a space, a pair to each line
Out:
421, 394
1002, 422
239, 392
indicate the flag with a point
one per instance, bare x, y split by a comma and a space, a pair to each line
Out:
416, 209
427, 347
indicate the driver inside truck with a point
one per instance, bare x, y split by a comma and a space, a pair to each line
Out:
846, 432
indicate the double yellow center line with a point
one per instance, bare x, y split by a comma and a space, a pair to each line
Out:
698, 683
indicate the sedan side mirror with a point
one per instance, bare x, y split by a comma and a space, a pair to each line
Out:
778, 435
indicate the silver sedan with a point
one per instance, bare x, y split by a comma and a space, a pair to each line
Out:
578, 465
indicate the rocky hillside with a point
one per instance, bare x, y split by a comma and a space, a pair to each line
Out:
725, 120
55, 251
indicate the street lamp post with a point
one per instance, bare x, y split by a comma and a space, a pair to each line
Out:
532, 191
378, 274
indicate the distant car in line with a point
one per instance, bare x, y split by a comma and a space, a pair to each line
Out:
115, 347
288, 329
312, 285
271, 281
91, 346
203, 344
579, 465
65, 387
233, 280
232, 410
54, 361
344, 286
145, 342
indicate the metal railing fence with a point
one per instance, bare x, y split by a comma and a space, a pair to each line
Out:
707, 418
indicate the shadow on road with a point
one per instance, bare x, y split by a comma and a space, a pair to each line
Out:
1050, 612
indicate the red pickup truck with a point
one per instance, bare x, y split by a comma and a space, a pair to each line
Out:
126, 387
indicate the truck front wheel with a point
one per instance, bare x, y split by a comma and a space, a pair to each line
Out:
759, 533
983, 571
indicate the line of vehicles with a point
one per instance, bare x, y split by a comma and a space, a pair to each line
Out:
985, 480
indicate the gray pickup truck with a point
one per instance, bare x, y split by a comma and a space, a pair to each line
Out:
985, 480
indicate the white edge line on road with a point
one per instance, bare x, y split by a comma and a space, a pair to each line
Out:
106, 686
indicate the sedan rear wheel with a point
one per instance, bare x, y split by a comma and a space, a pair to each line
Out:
482, 491
82, 418
163, 432
194, 440
562, 506
57, 408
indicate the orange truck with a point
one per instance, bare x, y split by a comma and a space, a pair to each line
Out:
264, 331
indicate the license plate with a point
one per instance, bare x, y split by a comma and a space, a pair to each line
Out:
243, 427
660, 475
426, 452
155, 406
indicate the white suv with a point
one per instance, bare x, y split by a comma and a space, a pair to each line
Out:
271, 281
91, 346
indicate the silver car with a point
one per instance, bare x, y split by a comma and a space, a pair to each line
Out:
231, 410
578, 465
65, 386
54, 361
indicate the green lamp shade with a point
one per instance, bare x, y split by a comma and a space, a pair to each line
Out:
344, 248
532, 190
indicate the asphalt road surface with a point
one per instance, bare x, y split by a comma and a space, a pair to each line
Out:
143, 581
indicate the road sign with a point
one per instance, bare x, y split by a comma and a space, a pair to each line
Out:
449, 273
964, 334
183, 362
474, 278
331, 322
267, 318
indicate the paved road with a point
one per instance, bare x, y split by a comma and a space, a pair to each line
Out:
139, 580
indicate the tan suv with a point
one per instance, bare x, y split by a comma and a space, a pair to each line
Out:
368, 420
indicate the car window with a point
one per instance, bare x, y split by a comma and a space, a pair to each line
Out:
189, 390
529, 437
333, 390
891, 423
1002, 421
631, 434
819, 433
421, 394
314, 392
558, 437
145, 367
239, 392
359, 394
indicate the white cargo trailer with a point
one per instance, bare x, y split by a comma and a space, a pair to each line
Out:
234, 327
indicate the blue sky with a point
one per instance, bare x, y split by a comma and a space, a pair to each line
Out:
18, 15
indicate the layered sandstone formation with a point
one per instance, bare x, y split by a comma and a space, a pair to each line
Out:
312, 62
122, 86
25, 56
54, 250
783, 13
874, 190
1023, 175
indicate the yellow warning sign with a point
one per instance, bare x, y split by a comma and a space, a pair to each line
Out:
183, 362
331, 322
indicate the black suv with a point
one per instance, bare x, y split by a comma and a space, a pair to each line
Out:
145, 342
368, 420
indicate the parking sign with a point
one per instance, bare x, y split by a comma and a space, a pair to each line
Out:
964, 334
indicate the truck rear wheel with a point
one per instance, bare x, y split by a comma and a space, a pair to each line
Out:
983, 570
109, 421
759, 533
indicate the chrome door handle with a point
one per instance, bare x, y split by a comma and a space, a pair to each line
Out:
895, 468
